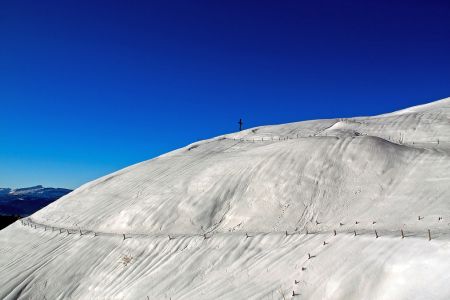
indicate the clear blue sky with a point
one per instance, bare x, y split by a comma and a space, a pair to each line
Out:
89, 87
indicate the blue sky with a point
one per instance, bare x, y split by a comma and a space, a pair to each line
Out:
89, 87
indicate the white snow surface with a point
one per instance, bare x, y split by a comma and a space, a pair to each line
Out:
237, 217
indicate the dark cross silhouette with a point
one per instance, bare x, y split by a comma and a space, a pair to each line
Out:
240, 124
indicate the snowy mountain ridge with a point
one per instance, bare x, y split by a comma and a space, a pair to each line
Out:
25, 201
353, 208
37, 191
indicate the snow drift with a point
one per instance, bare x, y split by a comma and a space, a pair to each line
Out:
353, 208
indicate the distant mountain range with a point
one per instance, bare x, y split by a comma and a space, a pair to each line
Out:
25, 201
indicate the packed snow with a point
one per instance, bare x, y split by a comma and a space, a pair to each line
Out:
354, 208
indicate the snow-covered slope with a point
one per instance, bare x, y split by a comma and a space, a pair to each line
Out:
266, 213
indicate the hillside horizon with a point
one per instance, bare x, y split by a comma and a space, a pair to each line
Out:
344, 208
